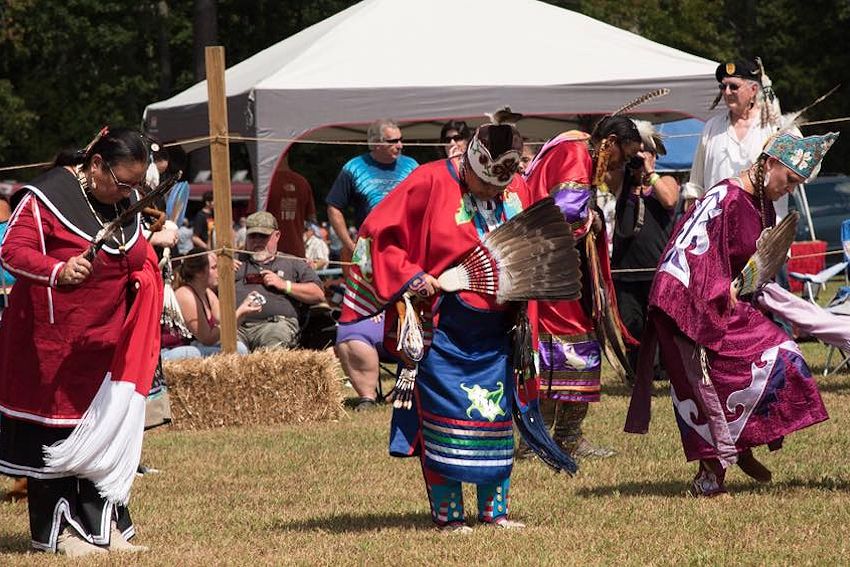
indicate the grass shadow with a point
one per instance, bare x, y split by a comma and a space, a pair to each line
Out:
680, 487
834, 386
15, 543
348, 523
641, 488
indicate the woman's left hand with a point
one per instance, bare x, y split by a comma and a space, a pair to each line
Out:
75, 271
648, 161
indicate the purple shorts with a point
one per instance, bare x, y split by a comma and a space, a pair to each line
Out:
369, 331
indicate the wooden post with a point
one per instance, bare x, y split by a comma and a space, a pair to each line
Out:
220, 157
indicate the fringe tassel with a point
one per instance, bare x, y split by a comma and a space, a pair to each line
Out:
410, 340
703, 363
106, 445
403, 391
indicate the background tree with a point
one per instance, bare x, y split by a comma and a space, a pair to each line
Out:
66, 68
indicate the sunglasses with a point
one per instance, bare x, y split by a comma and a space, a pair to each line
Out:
393, 141
731, 86
455, 138
120, 184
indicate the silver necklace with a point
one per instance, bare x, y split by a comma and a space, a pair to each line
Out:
84, 184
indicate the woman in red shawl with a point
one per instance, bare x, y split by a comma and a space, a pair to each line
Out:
78, 341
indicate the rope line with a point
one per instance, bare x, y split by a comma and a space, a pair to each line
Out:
240, 138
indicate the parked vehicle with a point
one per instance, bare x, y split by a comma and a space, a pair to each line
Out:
829, 202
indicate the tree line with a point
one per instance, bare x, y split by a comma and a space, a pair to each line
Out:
66, 68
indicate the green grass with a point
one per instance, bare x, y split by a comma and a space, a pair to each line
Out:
328, 494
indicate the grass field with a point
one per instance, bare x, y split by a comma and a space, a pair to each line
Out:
328, 494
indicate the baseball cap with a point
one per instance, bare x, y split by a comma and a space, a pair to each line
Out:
261, 222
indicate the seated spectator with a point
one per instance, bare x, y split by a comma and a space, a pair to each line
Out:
285, 283
315, 249
200, 309
454, 136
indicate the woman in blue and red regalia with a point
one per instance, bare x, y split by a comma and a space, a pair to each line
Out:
737, 379
569, 349
460, 424
72, 327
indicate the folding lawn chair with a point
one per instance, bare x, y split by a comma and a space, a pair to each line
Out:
821, 278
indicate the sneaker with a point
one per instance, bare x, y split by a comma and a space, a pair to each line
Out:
753, 468
70, 544
118, 544
505, 524
455, 528
587, 450
365, 404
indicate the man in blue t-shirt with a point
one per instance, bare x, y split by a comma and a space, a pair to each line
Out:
363, 182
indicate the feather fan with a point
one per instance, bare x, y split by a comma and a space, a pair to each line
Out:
531, 256
771, 253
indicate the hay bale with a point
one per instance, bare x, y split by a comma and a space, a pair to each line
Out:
264, 387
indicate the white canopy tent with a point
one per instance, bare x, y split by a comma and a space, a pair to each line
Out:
424, 61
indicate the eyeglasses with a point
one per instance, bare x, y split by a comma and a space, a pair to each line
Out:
394, 141
121, 184
455, 138
731, 86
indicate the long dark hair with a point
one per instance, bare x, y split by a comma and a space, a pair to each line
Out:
114, 145
620, 126
195, 264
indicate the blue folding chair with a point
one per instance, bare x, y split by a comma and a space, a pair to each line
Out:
814, 283
840, 304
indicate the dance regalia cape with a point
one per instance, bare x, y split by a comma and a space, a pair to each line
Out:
568, 348
76, 361
461, 420
754, 386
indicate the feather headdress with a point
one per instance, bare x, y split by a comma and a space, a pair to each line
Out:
771, 113
531, 256
504, 116
771, 253
650, 137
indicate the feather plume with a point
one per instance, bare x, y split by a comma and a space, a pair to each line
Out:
791, 120
771, 253
531, 256
651, 139
642, 99
504, 116
771, 112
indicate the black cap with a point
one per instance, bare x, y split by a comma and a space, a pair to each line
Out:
739, 68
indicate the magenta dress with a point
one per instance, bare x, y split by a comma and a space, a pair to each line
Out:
737, 379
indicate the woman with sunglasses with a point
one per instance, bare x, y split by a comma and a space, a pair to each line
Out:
79, 339
733, 140
454, 136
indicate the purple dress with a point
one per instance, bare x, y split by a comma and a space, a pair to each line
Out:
737, 380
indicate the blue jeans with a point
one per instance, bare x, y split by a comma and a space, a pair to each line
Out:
198, 350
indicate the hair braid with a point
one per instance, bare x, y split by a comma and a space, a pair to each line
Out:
759, 188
